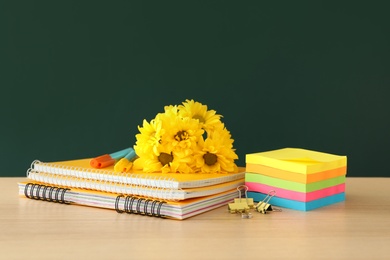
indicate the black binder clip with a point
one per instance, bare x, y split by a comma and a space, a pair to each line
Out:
242, 205
264, 206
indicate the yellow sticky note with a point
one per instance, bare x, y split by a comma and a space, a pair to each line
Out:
298, 160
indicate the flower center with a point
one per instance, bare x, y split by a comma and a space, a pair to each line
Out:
200, 118
181, 135
210, 158
165, 158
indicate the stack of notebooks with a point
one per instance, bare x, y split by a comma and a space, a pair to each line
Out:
175, 195
302, 179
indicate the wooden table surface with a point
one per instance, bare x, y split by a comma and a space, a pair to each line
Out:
358, 228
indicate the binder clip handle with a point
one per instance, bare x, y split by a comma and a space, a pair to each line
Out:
264, 206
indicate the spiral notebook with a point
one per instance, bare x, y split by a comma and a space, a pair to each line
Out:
131, 189
81, 169
126, 204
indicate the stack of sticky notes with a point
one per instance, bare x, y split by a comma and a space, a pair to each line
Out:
302, 179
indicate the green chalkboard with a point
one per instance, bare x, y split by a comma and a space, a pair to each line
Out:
78, 77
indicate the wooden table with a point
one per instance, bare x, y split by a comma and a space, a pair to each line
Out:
358, 228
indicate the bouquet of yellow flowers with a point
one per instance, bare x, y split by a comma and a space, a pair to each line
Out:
186, 138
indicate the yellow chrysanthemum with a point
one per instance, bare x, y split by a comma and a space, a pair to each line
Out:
208, 119
216, 154
222, 133
165, 161
155, 162
171, 110
174, 141
183, 134
149, 137
182, 164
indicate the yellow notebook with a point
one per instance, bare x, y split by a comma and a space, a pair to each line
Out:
172, 186
126, 204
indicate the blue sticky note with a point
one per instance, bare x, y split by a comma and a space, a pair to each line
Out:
298, 205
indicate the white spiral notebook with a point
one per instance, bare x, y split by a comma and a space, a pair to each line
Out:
81, 169
172, 186
126, 204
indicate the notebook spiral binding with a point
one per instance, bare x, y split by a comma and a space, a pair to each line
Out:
46, 193
133, 205
75, 181
103, 175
